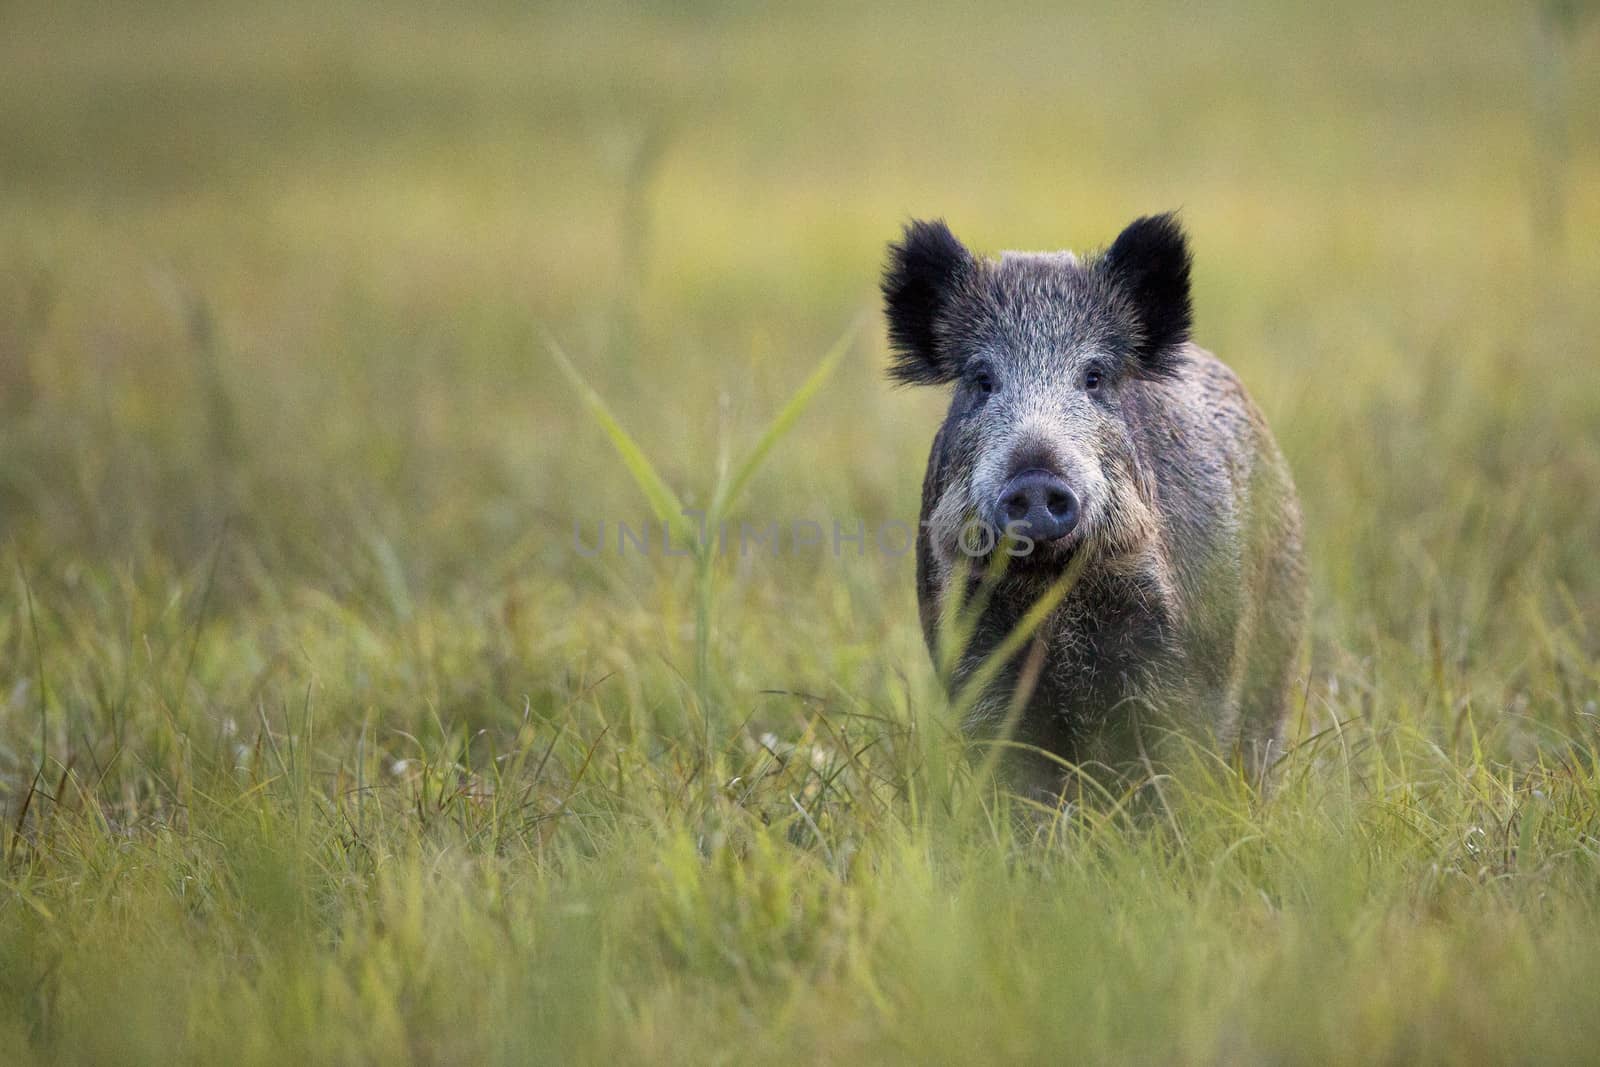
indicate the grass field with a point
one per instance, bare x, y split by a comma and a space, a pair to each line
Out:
321, 742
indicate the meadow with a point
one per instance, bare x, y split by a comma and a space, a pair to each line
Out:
322, 737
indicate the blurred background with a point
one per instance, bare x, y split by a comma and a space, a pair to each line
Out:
274, 281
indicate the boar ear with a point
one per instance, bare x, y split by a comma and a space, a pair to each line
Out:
1149, 262
923, 269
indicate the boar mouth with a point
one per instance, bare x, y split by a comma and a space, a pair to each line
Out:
1047, 556
1015, 560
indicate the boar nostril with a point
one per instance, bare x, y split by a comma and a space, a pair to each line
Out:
1040, 500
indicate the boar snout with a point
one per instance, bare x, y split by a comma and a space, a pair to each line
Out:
1037, 503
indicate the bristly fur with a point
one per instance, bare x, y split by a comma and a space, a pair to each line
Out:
917, 282
1149, 261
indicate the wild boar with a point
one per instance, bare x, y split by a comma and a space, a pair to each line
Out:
1085, 423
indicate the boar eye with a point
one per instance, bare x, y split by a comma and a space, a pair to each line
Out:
983, 381
1092, 379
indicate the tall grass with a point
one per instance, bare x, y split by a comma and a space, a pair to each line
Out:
320, 739
703, 538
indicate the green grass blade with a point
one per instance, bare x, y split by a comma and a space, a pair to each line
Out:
1020, 634
663, 501
729, 491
